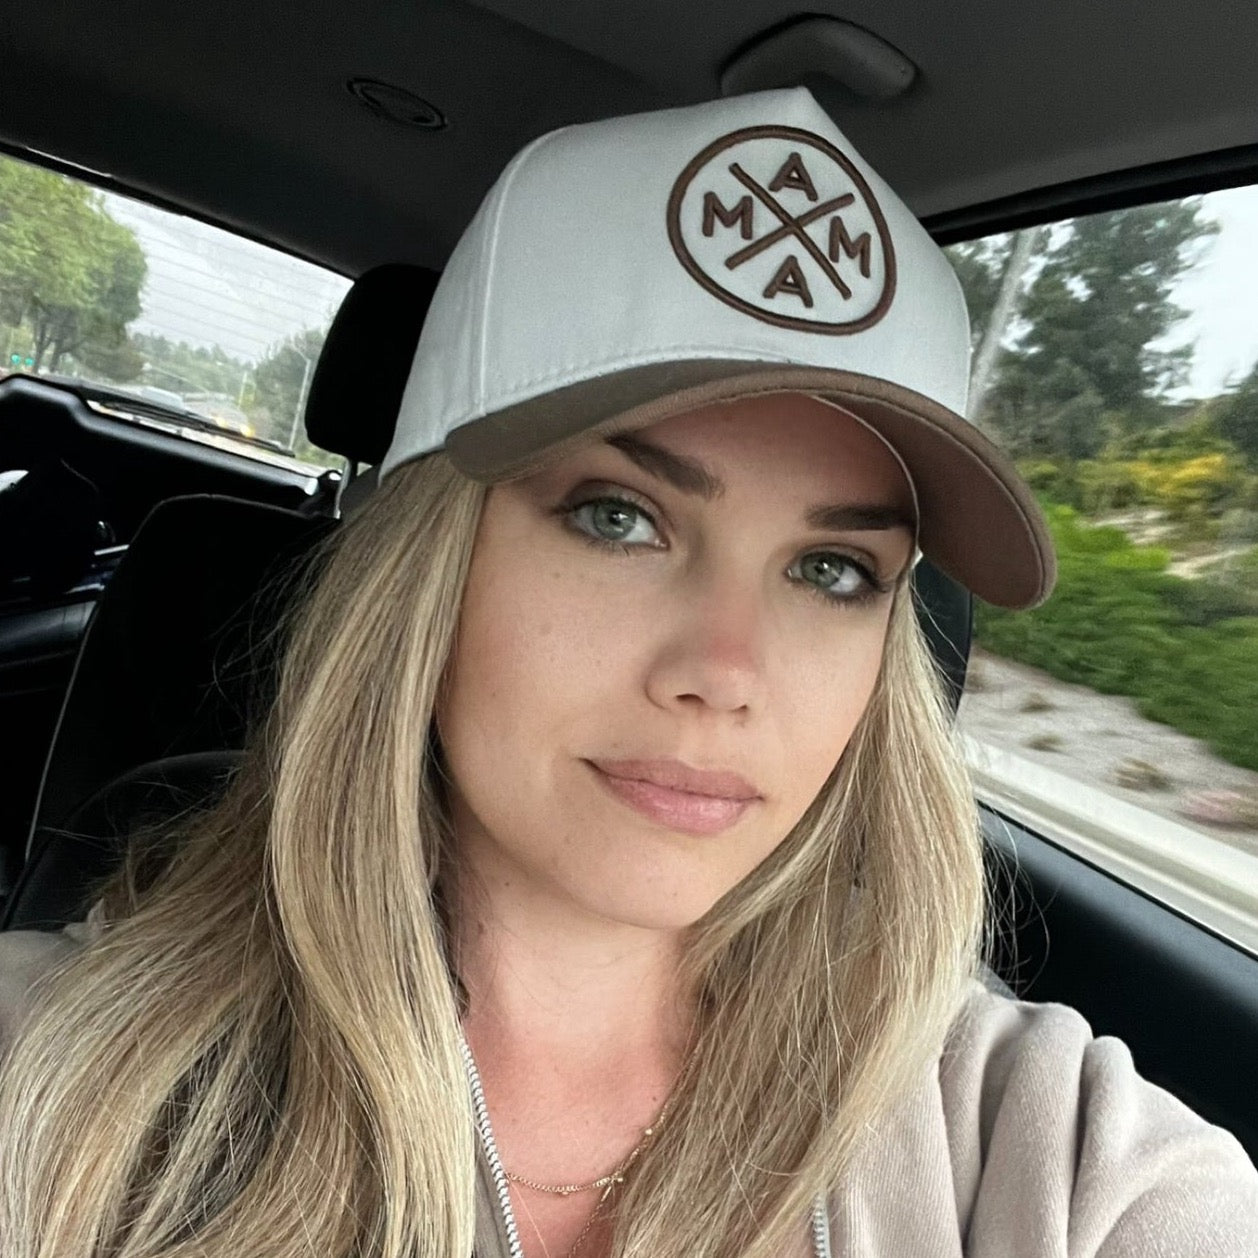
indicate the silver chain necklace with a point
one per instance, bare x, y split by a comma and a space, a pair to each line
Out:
820, 1221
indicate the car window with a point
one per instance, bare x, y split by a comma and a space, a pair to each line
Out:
160, 317
1116, 358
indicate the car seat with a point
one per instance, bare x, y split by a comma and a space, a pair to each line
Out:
356, 391
179, 657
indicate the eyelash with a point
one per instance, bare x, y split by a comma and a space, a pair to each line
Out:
873, 587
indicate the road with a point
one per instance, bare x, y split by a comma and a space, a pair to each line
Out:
1053, 755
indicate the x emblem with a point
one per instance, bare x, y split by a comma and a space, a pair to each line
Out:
790, 227
739, 217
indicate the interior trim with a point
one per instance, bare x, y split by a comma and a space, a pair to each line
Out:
1117, 190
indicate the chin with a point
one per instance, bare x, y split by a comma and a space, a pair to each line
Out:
653, 917
649, 907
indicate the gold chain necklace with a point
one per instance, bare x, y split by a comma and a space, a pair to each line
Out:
607, 1182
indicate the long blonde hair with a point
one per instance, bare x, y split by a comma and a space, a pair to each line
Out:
261, 1053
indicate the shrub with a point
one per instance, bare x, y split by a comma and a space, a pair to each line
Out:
1240, 524
1052, 479
1108, 485
1207, 601
1187, 489
1185, 651
1173, 441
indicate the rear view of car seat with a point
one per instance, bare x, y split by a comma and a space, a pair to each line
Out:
179, 658
172, 666
358, 383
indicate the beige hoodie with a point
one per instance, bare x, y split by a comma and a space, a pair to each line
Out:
1028, 1138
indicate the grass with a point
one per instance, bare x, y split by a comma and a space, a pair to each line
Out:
1185, 651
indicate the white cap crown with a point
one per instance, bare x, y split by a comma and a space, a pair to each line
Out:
698, 233
623, 271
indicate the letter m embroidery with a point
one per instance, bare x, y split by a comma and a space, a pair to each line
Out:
740, 214
841, 242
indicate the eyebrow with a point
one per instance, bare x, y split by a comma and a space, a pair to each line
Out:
689, 476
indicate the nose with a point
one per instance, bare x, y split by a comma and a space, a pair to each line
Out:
712, 654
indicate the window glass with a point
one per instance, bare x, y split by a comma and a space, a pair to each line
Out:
160, 317
1116, 358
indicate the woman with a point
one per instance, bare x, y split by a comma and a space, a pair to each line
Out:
605, 880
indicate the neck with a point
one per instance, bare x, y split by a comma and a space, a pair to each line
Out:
552, 989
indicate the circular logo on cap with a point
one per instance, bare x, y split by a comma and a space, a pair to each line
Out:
779, 224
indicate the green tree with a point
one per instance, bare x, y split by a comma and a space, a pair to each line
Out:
1059, 414
282, 384
1236, 415
68, 271
41, 250
94, 328
188, 368
120, 363
1086, 364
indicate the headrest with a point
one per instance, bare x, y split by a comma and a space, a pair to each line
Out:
357, 387
68, 863
180, 654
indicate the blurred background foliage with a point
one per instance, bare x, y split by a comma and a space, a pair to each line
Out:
1119, 622
1152, 496
71, 285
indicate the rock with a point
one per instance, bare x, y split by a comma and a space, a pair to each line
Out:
1221, 808
1140, 775
1036, 701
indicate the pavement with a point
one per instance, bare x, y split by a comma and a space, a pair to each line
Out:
1103, 742
1125, 792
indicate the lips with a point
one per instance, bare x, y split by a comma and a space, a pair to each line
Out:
674, 795
677, 776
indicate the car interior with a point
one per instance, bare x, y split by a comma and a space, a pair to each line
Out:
143, 576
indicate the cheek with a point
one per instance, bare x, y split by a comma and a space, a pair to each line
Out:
825, 692
532, 656
523, 640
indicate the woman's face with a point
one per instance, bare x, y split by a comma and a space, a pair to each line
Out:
665, 644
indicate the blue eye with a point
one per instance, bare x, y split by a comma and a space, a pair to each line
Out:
835, 577
614, 522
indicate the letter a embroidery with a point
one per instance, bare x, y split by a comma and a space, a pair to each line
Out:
790, 278
794, 174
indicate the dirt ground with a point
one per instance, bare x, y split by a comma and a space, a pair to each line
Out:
1103, 741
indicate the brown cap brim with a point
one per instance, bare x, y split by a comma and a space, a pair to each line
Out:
979, 521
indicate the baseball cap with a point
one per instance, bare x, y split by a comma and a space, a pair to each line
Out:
623, 271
